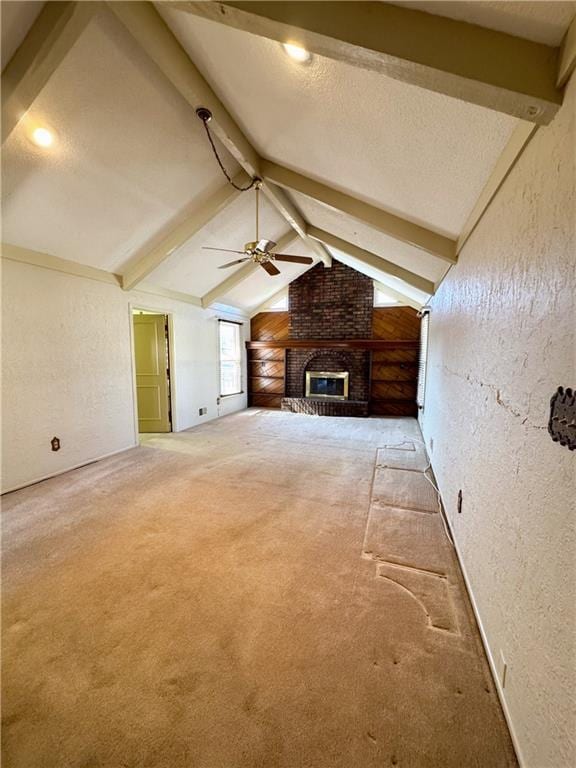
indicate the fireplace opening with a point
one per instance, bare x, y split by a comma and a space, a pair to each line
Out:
329, 385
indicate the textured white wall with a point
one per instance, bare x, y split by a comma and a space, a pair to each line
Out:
502, 338
67, 369
195, 359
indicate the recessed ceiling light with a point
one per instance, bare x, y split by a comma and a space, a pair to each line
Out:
297, 53
42, 137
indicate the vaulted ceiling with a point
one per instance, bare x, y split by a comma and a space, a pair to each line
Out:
369, 155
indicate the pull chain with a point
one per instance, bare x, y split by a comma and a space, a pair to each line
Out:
224, 171
257, 220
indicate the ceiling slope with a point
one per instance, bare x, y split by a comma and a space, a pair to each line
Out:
359, 234
16, 19
479, 65
156, 38
389, 176
194, 270
49, 40
541, 22
416, 154
111, 184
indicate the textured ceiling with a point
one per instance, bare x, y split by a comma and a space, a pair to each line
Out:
354, 232
193, 270
393, 282
17, 18
542, 21
411, 151
130, 160
130, 157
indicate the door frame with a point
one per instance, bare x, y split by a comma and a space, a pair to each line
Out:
135, 307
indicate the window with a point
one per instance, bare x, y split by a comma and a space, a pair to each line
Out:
423, 359
383, 299
281, 305
230, 359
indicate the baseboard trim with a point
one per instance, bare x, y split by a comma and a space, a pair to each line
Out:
109, 455
67, 469
486, 644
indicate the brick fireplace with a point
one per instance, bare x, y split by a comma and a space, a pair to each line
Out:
356, 362
332, 326
329, 304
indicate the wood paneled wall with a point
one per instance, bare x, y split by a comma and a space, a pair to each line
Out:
395, 323
269, 326
394, 371
267, 367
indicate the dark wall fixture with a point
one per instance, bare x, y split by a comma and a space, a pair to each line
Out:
562, 423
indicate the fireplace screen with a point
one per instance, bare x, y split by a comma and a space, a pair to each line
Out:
331, 385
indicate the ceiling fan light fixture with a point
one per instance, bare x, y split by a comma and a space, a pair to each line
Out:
296, 52
260, 250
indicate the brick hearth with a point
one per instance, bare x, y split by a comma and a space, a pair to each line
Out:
314, 407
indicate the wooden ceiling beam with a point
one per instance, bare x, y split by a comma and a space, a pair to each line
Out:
47, 261
465, 61
148, 28
288, 210
237, 277
377, 218
153, 258
372, 260
57, 28
567, 59
519, 140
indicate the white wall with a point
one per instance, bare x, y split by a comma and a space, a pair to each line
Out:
67, 369
502, 338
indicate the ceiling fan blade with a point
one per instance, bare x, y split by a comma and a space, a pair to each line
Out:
293, 259
232, 263
270, 268
223, 250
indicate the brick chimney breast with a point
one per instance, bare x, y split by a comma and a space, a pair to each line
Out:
331, 303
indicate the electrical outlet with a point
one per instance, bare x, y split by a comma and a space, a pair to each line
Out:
459, 507
503, 669
202, 411
55, 443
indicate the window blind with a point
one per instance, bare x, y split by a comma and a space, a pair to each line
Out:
422, 360
230, 358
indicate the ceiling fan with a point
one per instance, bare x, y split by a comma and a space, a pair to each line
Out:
261, 251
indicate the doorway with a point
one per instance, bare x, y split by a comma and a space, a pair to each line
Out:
152, 369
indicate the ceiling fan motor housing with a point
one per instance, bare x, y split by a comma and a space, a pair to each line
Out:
260, 247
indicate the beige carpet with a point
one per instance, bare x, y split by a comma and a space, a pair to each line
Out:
266, 590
